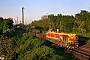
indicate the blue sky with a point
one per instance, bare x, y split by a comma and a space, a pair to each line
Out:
34, 9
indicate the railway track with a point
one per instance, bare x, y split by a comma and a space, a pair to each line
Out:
82, 53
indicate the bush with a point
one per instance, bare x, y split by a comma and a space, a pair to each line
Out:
44, 53
29, 47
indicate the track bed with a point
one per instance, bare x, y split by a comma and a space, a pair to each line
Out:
82, 53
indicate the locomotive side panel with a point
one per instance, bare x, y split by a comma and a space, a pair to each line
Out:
62, 39
57, 38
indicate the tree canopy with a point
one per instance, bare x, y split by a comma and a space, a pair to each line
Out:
1, 25
5, 24
80, 22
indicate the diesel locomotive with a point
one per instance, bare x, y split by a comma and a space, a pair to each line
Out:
66, 40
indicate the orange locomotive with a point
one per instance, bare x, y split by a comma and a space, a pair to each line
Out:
62, 39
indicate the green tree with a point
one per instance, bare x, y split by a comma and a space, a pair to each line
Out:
83, 21
66, 23
44, 53
7, 24
1, 25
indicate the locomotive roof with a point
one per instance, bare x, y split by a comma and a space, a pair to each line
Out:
62, 33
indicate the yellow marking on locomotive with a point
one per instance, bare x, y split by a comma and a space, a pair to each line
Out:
54, 36
70, 35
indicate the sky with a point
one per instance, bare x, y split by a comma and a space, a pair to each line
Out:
35, 9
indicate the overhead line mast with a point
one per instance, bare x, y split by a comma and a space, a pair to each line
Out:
89, 9
17, 20
23, 16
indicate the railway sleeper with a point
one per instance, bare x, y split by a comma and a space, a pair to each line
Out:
86, 49
88, 43
82, 52
78, 55
87, 46
81, 56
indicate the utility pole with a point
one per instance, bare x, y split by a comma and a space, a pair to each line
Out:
50, 27
22, 16
48, 20
60, 26
17, 19
49, 23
